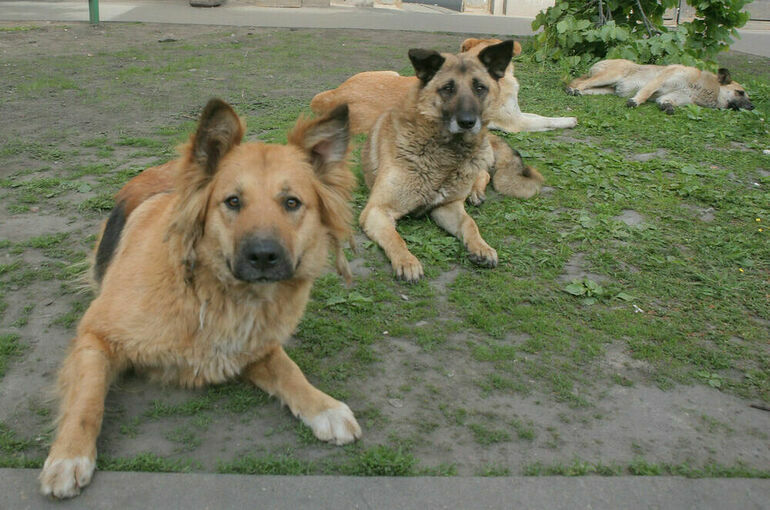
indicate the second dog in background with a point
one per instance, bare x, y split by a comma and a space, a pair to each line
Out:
670, 86
433, 151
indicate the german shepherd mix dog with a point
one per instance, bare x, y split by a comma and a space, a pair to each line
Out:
371, 93
670, 86
203, 271
432, 152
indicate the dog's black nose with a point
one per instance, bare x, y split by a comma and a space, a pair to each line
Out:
262, 259
466, 120
263, 254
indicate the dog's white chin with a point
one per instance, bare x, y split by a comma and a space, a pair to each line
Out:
455, 129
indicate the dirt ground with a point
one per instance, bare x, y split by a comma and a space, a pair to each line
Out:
69, 89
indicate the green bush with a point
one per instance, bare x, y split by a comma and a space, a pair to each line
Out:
581, 32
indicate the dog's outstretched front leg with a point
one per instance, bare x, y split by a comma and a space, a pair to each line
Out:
84, 381
330, 419
453, 218
380, 227
647, 91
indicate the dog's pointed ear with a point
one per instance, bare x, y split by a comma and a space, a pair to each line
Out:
219, 130
326, 139
723, 75
426, 63
496, 58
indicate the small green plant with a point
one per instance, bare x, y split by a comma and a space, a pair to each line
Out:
588, 289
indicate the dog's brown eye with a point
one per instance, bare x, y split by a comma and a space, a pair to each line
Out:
233, 202
292, 204
449, 88
741, 93
480, 88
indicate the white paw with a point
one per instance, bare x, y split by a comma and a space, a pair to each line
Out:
570, 122
336, 425
63, 478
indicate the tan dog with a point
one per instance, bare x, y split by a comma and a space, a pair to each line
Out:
371, 93
670, 86
203, 272
427, 155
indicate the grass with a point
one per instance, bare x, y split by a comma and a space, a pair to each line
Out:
680, 294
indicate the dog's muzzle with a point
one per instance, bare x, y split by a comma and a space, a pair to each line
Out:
262, 259
738, 105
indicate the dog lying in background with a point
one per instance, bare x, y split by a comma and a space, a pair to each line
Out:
203, 271
371, 93
429, 153
670, 86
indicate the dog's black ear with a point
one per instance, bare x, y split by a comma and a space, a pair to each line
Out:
496, 58
219, 130
325, 139
426, 63
724, 76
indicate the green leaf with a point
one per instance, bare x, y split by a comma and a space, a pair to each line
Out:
575, 288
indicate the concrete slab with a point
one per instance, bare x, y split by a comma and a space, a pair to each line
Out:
18, 491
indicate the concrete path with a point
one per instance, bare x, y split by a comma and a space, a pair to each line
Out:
755, 38
18, 491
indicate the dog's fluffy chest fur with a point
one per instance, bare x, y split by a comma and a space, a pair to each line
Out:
440, 168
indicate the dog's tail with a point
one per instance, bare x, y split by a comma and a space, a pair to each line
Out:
510, 176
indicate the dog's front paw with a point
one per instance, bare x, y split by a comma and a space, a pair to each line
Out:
408, 268
631, 103
63, 478
335, 425
483, 255
570, 122
573, 91
476, 198
668, 108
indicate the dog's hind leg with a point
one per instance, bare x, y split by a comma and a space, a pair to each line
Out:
511, 176
84, 381
453, 218
330, 419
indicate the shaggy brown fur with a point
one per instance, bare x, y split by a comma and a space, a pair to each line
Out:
433, 152
370, 94
215, 257
670, 86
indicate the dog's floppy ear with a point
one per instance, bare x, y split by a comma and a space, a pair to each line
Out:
426, 63
219, 130
724, 76
496, 58
326, 141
